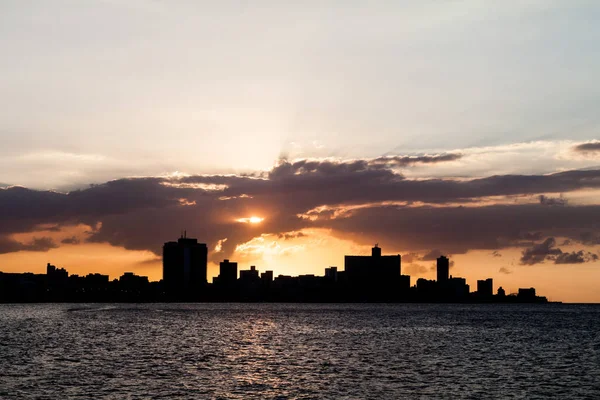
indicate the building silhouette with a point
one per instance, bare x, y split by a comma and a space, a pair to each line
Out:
266, 277
374, 278
249, 276
485, 288
131, 281
455, 288
404, 282
443, 269
373, 269
56, 274
331, 274
184, 265
526, 294
228, 273
427, 289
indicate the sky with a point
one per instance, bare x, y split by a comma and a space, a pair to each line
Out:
460, 127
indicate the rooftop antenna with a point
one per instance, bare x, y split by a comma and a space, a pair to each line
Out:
184, 234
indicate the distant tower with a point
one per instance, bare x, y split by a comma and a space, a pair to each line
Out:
443, 268
228, 272
184, 264
372, 270
485, 288
50, 269
376, 251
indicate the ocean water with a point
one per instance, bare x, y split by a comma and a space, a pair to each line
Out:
299, 351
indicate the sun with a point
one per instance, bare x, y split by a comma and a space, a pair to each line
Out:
255, 220
251, 220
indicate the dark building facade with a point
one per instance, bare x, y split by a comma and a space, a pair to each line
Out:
184, 265
129, 280
528, 294
266, 276
485, 288
58, 286
443, 269
455, 287
372, 269
249, 275
331, 274
228, 273
56, 274
404, 282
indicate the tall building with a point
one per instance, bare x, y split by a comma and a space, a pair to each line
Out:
485, 288
56, 274
228, 272
331, 274
249, 275
404, 282
443, 269
372, 269
456, 287
184, 265
266, 277
526, 294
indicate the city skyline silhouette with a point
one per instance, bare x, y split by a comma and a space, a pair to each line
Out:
367, 278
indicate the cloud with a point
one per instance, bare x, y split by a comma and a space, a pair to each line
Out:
286, 167
358, 200
404, 161
459, 229
546, 250
410, 257
552, 201
219, 245
496, 253
291, 235
589, 238
70, 240
575, 257
540, 252
414, 269
587, 148
48, 228
504, 270
39, 244
9, 245
433, 255
151, 261
532, 235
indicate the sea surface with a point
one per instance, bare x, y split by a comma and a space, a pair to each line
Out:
299, 351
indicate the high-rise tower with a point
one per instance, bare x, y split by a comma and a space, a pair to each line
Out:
373, 269
443, 268
184, 265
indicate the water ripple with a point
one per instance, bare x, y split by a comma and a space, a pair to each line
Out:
285, 351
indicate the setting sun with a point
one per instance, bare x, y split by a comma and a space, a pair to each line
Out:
250, 220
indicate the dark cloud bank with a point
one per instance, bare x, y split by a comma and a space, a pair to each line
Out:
591, 147
366, 201
547, 250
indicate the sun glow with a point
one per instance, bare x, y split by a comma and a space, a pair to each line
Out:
250, 220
